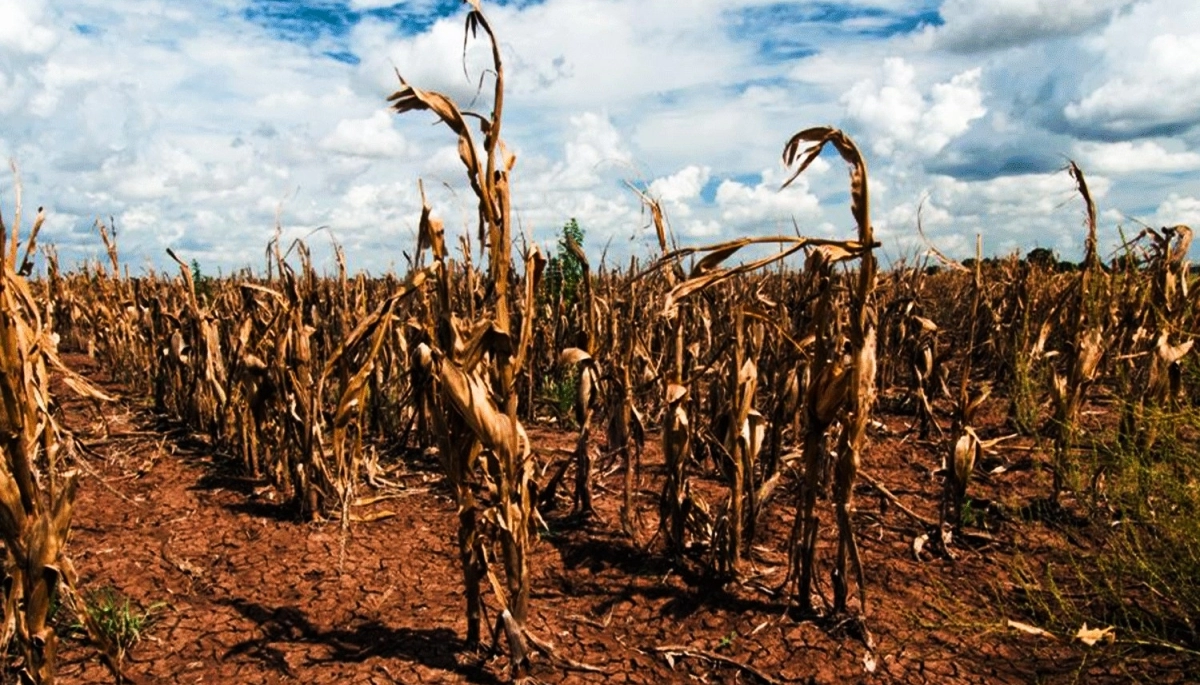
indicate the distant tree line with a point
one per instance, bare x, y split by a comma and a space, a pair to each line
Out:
1046, 259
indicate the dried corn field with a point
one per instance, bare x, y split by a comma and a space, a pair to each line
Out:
767, 460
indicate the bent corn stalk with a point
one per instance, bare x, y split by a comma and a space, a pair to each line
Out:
860, 392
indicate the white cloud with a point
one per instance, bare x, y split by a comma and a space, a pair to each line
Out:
374, 136
1158, 85
971, 26
897, 116
1034, 210
1147, 72
24, 27
596, 147
432, 60
748, 207
1177, 210
897, 229
736, 131
593, 52
678, 189
191, 122
1025, 195
1134, 157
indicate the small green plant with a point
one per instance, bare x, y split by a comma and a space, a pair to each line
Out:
1139, 575
561, 394
972, 517
117, 620
564, 271
203, 282
727, 641
1024, 395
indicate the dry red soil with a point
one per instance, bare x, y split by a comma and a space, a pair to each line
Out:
254, 596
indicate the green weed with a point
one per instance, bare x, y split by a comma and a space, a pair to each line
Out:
1136, 566
119, 623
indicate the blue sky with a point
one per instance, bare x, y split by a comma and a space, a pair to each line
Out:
199, 126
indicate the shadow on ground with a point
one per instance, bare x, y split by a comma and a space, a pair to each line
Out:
436, 648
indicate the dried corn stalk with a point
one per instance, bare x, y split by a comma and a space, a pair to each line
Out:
587, 389
1151, 344
36, 498
626, 434
475, 367
845, 392
1086, 325
965, 447
745, 428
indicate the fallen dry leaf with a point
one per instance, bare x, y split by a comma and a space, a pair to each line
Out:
1090, 636
919, 544
372, 517
1026, 628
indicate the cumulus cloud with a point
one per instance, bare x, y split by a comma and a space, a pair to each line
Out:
1144, 74
734, 130
595, 148
897, 229
1128, 157
1036, 210
374, 136
580, 180
748, 207
24, 29
192, 123
1155, 87
686, 184
1177, 210
185, 137
896, 116
1024, 195
680, 188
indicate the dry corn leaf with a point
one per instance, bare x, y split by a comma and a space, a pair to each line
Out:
919, 543
276, 295
675, 393
1091, 349
832, 254
471, 398
719, 254
1183, 243
1028, 629
965, 453
372, 517
829, 391
1171, 354
1090, 636
572, 356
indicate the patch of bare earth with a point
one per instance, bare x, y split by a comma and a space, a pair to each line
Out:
254, 596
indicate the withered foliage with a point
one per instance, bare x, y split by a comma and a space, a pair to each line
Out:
37, 485
761, 374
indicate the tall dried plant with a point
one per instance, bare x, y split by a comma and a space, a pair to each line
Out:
1085, 323
1152, 343
680, 509
36, 494
965, 447
475, 366
587, 389
845, 391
